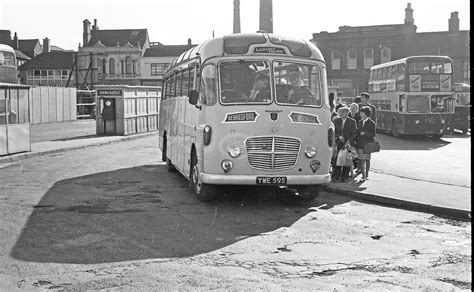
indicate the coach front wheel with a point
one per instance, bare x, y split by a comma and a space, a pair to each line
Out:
204, 192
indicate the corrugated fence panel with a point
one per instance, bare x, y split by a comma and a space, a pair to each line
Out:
52, 97
66, 105
52, 104
73, 99
44, 104
59, 104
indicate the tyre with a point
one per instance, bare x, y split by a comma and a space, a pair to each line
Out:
204, 192
164, 157
169, 165
308, 193
163, 153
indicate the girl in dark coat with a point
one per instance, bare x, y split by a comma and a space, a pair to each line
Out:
365, 134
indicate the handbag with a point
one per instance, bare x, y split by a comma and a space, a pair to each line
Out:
343, 158
352, 152
372, 147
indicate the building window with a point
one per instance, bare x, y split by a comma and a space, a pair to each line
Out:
134, 66
128, 65
104, 66
158, 69
351, 59
122, 67
112, 66
386, 55
336, 60
368, 58
466, 72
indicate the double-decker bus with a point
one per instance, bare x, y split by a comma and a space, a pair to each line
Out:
8, 70
413, 95
462, 108
248, 109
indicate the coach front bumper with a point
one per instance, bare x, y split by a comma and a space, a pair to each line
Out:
220, 179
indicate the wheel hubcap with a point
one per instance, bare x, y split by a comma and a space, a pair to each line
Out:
196, 181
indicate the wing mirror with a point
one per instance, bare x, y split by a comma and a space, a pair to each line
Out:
193, 97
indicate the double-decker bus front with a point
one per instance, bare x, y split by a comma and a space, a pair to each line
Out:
263, 116
8, 70
414, 95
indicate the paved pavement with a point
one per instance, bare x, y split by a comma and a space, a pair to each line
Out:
408, 192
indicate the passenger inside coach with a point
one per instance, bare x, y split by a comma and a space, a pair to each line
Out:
299, 93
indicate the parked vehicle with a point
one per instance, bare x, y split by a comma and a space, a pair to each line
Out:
215, 134
413, 95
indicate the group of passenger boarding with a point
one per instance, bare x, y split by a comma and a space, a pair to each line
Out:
354, 128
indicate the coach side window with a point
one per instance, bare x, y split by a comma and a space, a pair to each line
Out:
191, 78
185, 86
208, 90
178, 84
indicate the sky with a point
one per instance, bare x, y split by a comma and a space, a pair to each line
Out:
174, 21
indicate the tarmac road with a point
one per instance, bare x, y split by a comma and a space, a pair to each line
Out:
113, 217
445, 161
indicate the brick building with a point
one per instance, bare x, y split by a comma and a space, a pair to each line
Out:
110, 56
351, 51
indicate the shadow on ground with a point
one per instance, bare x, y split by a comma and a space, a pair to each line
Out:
146, 213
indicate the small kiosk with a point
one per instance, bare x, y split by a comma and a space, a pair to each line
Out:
125, 110
14, 118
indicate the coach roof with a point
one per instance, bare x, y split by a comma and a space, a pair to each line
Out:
241, 43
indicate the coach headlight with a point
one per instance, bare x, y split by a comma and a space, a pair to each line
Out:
310, 151
234, 151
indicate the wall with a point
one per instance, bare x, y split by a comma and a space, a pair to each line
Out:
52, 104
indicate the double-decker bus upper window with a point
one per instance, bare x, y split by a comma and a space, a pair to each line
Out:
418, 104
401, 71
244, 82
441, 68
7, 59
298, 84
419, 67
209, 85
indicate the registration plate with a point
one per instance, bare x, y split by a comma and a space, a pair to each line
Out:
271, 180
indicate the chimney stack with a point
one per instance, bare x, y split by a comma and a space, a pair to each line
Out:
409, 15
46, 48
454, 23
95, 26
16, 42
189, 42
266, 16
236, 16
86, 36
